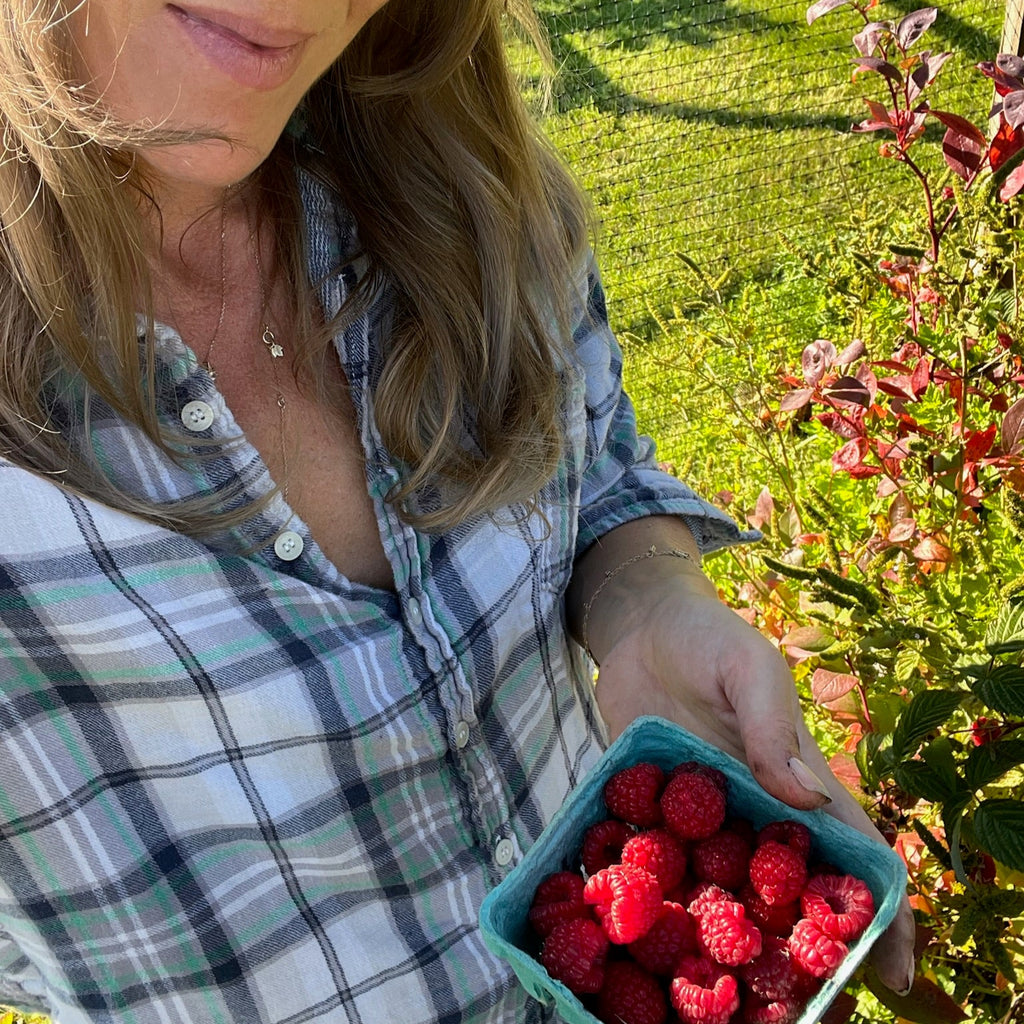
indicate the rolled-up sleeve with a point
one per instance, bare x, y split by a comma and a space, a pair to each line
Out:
620, 478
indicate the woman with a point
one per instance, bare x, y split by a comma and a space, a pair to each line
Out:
316, 469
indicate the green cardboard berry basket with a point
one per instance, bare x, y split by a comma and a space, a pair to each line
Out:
503, 916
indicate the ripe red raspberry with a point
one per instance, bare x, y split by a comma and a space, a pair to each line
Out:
703, 992
659, 852
603, 843
781, 1011
627, 900
632, 794
789, 833
693, 806
723, 858
558, 898
631, 995
575, 954
719, 778
814, 951
703, 896
772, 920
671, 936
777, 872
725, 934
773, 975
841, 905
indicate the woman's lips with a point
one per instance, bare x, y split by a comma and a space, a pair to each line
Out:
252, 54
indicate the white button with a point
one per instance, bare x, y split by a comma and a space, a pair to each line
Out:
461, 734
414, 612
504, 852
197, 416
288, 545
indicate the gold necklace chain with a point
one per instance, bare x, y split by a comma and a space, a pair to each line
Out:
267, 336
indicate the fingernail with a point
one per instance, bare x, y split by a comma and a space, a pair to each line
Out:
911, 972
808, 779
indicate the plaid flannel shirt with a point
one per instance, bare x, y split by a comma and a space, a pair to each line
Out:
235, 786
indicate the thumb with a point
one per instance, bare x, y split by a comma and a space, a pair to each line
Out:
770, 728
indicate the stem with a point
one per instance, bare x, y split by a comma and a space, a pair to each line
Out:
933, 230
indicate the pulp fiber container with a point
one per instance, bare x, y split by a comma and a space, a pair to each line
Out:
503, 916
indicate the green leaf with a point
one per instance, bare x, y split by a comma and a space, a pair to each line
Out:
986, 763
927, 711
999, 829
812, 639
866, 756
906, 664
935, 848
1005, 633
922, 780
1002, 689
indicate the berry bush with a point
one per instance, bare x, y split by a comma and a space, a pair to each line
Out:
890, 458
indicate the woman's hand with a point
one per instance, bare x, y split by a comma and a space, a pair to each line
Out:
668, 646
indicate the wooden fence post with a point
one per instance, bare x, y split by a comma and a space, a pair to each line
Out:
1013, 28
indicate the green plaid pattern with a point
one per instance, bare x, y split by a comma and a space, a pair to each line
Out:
238, 789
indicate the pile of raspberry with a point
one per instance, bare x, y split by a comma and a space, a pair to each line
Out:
681, 909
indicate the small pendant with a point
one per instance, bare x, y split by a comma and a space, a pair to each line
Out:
270, 340
209, 371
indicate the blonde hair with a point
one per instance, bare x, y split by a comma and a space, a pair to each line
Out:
459, 205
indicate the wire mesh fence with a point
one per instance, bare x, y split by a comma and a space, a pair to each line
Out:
721, 129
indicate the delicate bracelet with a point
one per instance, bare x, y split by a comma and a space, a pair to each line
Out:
651, 552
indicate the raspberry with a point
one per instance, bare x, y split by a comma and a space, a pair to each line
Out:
773, 975
814, 951
841, 905
703, 992
703, 896
693, 806
723, 858
790, 833
778, 873
558, 898
659, 852
631, 995
627, 900
603, 843
780, 1011
575, 953
696, 768
724, 932
632, 794
672, 935
774, 920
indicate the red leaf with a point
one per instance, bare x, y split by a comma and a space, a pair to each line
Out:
978, 443
883, 67
840, 425
827, 685
932, 555
795, 399
849, 389
816, 10
816, 359
960, 125
1013, 184
902, 530
1007, 141
851, 455
806, 641
845, 769
898, 387
920, 377
962, 154
1011, 434
763, 509
854, 351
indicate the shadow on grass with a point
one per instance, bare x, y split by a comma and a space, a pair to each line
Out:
582, 83
630, 24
